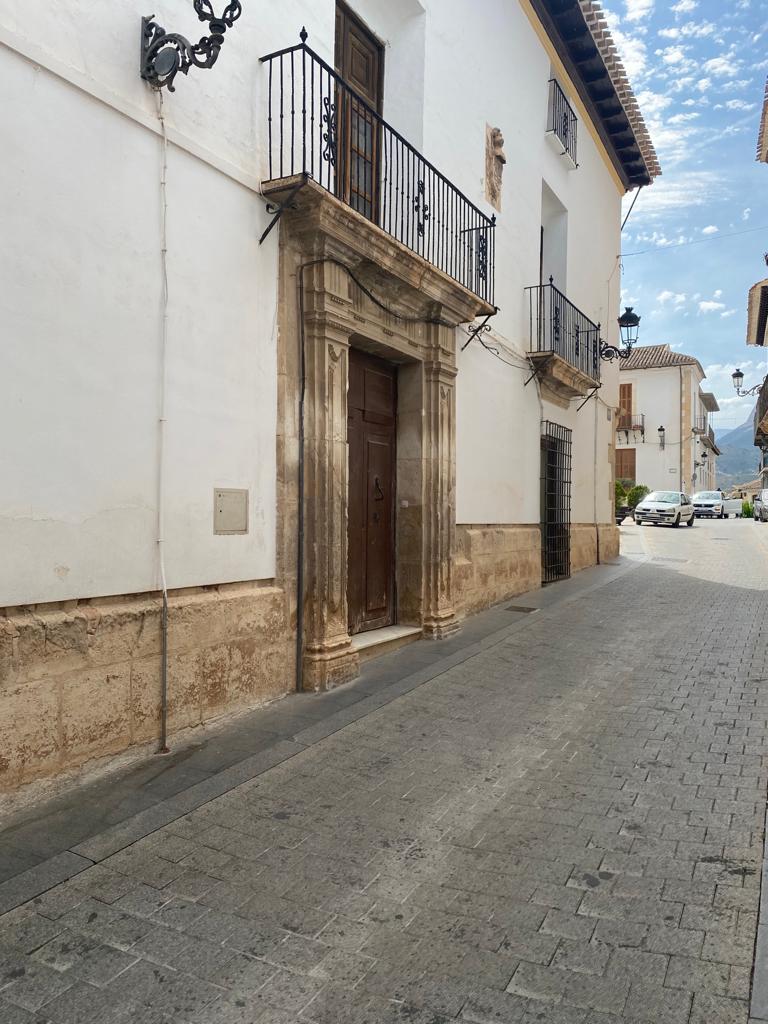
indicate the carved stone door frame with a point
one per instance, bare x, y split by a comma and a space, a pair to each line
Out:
326, 239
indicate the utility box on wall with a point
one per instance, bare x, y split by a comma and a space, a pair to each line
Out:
230, 510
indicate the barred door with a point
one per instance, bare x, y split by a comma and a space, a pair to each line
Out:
555, 502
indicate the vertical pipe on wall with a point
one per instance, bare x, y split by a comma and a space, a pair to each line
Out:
163, 749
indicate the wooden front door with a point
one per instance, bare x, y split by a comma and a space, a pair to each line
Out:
360, 62
372, 409
626, 464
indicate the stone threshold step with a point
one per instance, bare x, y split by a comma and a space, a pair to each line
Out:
376, 642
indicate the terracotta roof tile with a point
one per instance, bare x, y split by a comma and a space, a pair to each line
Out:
648, 357
598, 26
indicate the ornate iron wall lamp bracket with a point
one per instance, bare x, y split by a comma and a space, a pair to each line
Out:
164, 54
611, 352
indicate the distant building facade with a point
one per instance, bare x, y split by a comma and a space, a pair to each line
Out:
664, 438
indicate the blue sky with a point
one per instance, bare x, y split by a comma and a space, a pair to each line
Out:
698, 69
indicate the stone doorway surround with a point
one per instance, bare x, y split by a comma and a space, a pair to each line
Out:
323, 236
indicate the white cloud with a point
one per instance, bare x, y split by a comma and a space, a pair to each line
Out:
740, 105
710, 229
684, 6
703, 84
689, 30
669, 195
728, 312
672, 55
638, 9
682, 118
723, 66
677, 298
708, 306
745, 213
718, 293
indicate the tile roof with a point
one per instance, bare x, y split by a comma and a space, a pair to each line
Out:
598, 26
648, 357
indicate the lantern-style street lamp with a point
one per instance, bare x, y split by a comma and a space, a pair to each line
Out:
629, 328
662, 437
738, 379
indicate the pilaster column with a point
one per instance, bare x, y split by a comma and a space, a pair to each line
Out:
439, 486
329, 658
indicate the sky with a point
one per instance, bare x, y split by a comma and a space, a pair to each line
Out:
694, 242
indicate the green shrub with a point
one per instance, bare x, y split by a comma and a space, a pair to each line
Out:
626, 485
620, 495
747, 509
636, 495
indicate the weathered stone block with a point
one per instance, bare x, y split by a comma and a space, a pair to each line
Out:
29, 731
95, 712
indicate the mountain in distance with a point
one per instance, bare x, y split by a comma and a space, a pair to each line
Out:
739, 459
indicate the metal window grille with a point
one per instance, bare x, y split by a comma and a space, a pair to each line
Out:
555, 502
320, 127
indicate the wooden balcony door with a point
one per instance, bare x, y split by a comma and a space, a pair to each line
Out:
625, 406
360, 62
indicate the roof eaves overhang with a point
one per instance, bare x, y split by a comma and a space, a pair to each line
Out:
576, 42
762, 135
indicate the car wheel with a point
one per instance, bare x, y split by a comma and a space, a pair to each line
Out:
677, 521
690, 521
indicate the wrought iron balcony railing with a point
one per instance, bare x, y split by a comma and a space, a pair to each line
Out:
320, 127
562, 120
631, 421
700, 424
557, 326
761, 415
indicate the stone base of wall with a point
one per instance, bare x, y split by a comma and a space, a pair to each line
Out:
495, 562
81, 680
584, 544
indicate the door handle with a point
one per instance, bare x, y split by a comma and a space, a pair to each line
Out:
378, 494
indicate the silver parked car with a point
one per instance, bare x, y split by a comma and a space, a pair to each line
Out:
716, 505
668, 507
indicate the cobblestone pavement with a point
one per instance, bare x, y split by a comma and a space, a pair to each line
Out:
565, 828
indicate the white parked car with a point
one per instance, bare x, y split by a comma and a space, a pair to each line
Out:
669, 507
716, 505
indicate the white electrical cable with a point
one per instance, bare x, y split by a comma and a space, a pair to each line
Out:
162, 410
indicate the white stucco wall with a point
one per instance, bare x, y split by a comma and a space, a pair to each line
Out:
80, 273
497, 418
80, 304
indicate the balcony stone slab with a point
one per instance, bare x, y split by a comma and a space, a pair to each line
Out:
560, 382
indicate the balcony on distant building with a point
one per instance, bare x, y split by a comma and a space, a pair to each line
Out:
761, 417
630, 423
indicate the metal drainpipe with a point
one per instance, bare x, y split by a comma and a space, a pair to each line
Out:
163, 748
300, 513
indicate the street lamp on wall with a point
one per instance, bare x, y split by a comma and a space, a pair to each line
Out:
164, 54
629, 328
738, 379
662, 437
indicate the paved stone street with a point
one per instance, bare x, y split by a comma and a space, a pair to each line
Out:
566, 826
